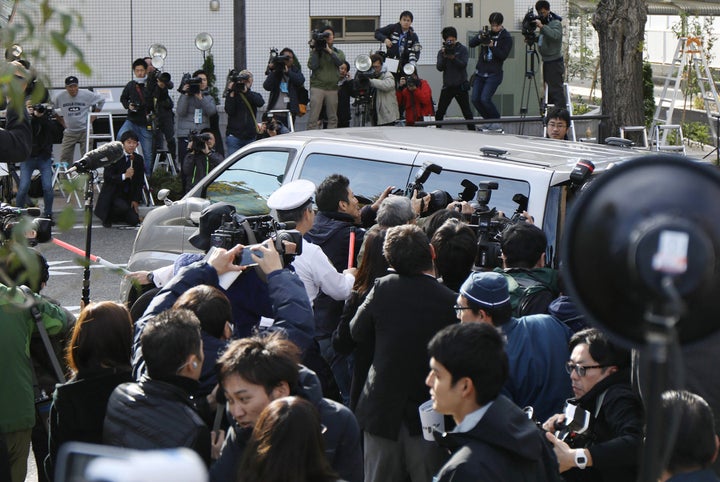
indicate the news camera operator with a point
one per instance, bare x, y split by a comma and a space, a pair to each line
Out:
495, 45
383, 83
546, 29
452, 61
283, 78
44, 130
194, 108
160, 85
415, 98
241, 105
201, 157
323, 63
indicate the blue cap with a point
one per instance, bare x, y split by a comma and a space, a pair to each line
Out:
488, 289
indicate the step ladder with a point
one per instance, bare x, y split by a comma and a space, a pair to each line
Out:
164, 159
60, 175
624, 130
571, 127
91, 137
689, 54
663, 131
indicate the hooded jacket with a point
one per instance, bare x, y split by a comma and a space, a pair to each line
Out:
504, 445
342, 437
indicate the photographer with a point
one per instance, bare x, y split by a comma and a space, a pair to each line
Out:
549, 34
346, 89
271, 126
283, 77
452, 61
241, 105
201, 157
194, 109
137, 100
165, 117
323, 63
386, 104
415, 98
44, 130
495, 45
399, 40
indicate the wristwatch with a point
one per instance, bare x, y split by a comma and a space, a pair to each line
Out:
580, 459
150, 277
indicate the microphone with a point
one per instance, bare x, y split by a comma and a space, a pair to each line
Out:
103, 156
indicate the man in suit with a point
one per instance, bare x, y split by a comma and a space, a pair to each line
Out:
403, 312
121, 192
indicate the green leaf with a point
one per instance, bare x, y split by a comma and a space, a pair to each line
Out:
59, 42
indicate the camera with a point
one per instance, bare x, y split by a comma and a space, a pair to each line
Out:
411, 81
529, 25
485, 36
277, 62
198, 140
318, 40
449, 46
238, 80
574, 429
192, 82
39, 229
238, 229
271, 124
44, 109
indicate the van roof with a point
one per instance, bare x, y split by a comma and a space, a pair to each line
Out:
558, 156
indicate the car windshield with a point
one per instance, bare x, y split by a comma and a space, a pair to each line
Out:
247, 183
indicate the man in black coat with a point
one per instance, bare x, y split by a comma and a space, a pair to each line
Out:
402, 312
493, 438
121, 192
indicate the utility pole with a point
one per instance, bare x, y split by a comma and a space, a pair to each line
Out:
239, 48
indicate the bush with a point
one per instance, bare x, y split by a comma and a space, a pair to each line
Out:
162, 179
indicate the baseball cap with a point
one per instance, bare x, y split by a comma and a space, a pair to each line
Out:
71, 80
291, 195
486, 289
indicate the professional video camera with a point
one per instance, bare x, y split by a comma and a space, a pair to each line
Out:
37, 230
193, 82
318, 40
198, 140
529, 25
485, 35
238, 229
276, 60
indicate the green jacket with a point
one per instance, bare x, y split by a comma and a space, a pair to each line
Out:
17, 399
550, 40
324, 69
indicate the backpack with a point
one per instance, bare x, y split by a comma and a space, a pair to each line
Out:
523, 287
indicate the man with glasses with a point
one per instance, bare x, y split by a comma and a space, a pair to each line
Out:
558, 121
600, 376
536, 344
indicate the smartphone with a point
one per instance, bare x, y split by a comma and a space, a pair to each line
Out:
246, 256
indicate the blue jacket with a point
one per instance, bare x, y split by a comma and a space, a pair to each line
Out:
491, 58
537, 349
342, 437
293, 313
453, 69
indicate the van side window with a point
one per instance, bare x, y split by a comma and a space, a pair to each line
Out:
248, 182
367, 178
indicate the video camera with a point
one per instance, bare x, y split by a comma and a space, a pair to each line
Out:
238, 229
318, 40
276, 60
36, 230
529, 26
198, 140
193, 82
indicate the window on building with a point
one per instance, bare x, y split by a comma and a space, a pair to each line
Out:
349, 29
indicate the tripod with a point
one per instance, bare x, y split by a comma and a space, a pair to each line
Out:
530, 82
363, 110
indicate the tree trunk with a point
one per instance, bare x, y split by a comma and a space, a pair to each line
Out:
620, 25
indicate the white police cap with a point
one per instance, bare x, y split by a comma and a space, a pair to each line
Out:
291, 195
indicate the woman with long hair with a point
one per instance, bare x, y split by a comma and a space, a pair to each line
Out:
99, 359
286, 445
372, 266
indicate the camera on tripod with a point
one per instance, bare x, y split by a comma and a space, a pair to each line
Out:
193, 84
248, 231
36, 230
277, 62
529, 26
318, 40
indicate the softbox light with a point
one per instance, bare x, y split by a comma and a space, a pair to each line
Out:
645, 222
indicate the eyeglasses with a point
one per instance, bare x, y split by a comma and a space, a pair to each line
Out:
579, 369
556, 125
459, 309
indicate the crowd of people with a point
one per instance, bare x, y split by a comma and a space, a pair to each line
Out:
313, 366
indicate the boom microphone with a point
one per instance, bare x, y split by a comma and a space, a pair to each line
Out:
103, 156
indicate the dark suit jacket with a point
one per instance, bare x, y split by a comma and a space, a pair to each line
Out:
114, 186
404, 313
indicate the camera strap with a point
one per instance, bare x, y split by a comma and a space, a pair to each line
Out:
250, 109
37, 316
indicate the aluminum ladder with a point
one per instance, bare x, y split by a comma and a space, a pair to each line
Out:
571, 127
